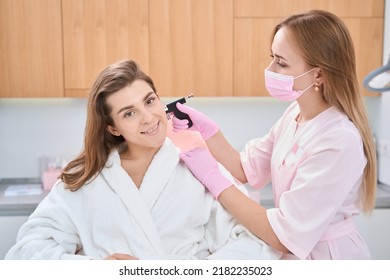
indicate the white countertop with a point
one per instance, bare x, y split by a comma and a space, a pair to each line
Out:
19, 205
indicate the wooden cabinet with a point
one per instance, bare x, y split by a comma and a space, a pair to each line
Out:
254, 21
367, 35
252, 52
98, 33
55, 48
185, 45
31, 62
191, 47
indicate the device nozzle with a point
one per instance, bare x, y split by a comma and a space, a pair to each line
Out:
190, 95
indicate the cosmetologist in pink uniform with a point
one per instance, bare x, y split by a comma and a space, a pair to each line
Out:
319, 156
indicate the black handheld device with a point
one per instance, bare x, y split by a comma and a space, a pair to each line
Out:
171, 108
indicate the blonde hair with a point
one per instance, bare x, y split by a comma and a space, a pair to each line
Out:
98, 141
325, 42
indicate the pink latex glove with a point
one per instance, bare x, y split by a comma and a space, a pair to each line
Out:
205, 168
206, 126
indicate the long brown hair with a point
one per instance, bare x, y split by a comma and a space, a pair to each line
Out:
98, 141
325, 42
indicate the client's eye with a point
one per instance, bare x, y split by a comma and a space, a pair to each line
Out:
128, 114
150, 100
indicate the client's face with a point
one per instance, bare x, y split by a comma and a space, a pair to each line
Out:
138, 116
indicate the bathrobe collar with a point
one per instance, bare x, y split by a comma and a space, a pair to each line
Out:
159, 172
140, 201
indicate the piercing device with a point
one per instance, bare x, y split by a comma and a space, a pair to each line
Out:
170, 109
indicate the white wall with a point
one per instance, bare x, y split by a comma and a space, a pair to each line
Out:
30, 128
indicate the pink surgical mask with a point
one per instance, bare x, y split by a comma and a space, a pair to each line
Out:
281, 86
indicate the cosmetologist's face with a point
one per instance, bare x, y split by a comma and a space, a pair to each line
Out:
287, 60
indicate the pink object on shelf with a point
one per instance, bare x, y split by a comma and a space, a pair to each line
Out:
49, 177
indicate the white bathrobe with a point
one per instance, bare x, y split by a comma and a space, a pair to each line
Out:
170, 216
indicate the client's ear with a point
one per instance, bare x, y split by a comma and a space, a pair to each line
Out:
113, 130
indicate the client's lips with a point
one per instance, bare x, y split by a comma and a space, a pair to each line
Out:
151, 130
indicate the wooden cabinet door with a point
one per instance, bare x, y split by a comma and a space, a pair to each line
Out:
101, 32
252, 50
191, 47
367, 36
31, 48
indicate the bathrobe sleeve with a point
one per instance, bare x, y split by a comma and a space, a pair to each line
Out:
48, 233
229, 240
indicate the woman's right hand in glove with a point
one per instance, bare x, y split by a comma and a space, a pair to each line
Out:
206, 126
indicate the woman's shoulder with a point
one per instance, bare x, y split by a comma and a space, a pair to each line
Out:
335, 130
338, 125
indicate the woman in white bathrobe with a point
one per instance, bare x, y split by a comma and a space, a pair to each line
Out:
128, 195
